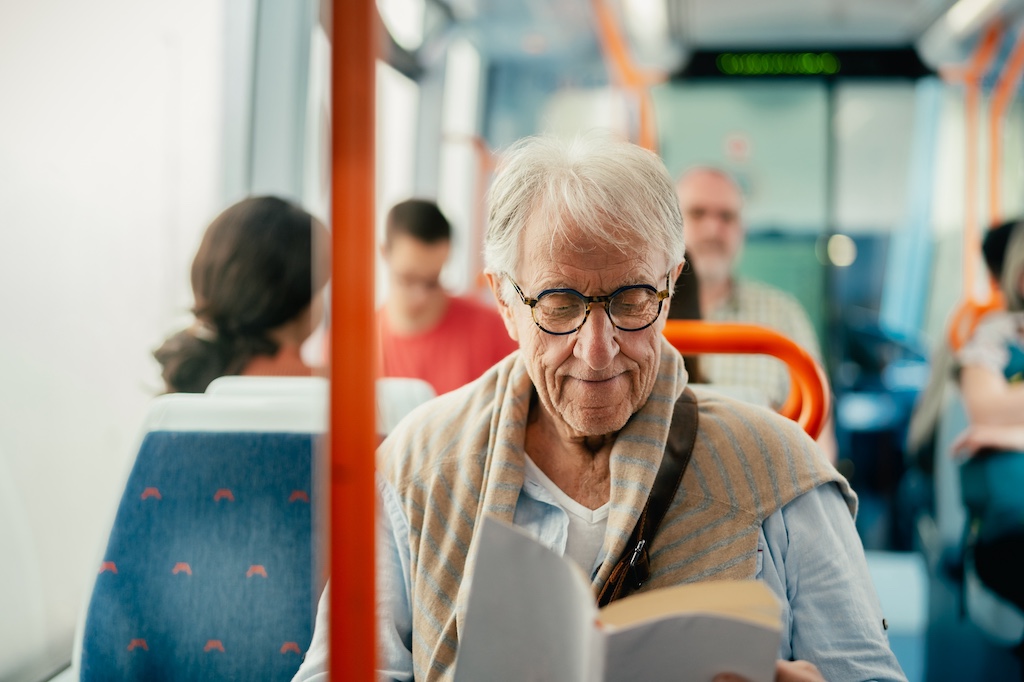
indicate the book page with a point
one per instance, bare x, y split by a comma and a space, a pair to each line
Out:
693, 632
693, 647
530, 615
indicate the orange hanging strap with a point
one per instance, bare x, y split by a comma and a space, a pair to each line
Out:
625, 73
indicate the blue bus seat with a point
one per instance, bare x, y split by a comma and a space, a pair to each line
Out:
211, 570
1000, 620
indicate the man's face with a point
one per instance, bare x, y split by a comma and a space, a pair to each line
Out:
593, 380
712, 228
414, 273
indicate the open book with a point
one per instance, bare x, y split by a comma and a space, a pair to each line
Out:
532, 616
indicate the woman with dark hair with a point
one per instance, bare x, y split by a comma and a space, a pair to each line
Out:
257, 280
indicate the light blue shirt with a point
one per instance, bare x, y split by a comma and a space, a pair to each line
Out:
809, 554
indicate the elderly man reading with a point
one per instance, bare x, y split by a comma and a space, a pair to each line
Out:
564, 437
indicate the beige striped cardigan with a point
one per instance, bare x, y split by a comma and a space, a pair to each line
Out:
461, 457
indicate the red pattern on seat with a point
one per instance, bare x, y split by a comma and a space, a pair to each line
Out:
256, 569
151, 492
181, 567
214, 644
299, 495
108, 566
138, 644
223, 494
291, 646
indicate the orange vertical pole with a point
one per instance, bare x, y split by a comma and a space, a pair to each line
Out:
1001, 96
352, 434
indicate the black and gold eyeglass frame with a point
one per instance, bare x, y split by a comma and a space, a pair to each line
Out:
564, 311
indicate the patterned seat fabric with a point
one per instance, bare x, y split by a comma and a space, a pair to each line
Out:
209, 572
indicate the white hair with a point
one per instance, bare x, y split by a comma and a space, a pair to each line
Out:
593, 188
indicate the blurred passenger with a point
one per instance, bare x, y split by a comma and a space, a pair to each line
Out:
991, 381
425, 332
258, 289
712, 208
564, 438
685, 305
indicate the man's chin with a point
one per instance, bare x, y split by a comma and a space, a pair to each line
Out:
715, 272
598, 424
597, 419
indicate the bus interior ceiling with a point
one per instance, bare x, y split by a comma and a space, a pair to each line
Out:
843, 121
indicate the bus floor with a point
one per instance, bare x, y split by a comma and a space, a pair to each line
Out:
957, 650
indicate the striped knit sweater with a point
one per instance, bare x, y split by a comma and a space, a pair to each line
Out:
460, 457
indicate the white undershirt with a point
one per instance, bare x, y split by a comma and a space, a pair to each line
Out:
585, 535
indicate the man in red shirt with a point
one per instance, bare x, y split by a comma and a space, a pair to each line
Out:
425, 332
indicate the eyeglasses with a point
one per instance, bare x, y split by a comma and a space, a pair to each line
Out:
564, 311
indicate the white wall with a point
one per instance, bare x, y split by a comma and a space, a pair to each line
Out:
874, 126
772, 136
110, 138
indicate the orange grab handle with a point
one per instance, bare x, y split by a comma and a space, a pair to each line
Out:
811, 404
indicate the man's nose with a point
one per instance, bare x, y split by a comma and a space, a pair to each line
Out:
596, 343
715, 225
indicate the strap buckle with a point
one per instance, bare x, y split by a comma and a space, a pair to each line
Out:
639, 565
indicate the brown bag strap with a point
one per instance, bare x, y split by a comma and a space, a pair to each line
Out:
634, 568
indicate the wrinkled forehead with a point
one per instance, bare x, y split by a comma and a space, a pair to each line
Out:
557, 241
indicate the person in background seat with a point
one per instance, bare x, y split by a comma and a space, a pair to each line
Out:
425, 332
712, 206
258, 280
991, 379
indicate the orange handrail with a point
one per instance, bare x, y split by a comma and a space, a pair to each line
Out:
971, 309
352, 438
1005, 88
807, 380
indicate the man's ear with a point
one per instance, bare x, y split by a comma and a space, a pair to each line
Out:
494, 282
678, 270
